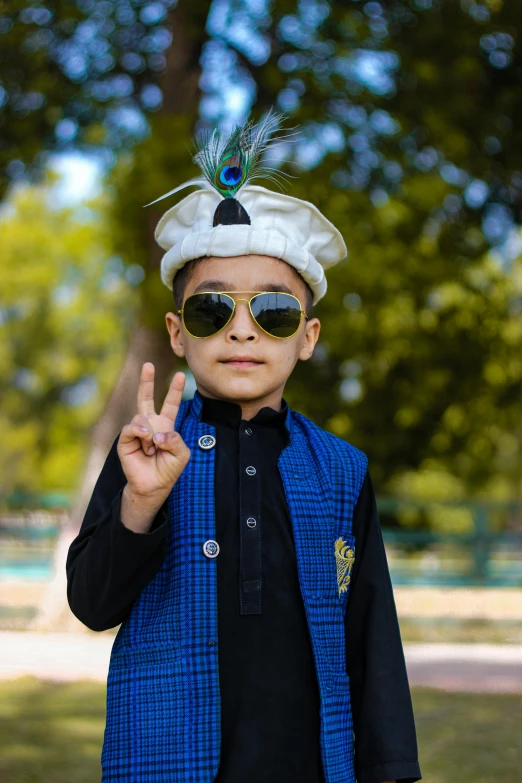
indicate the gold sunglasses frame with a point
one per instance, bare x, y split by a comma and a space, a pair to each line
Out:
243, 299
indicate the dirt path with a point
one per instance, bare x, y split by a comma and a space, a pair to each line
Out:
482, 668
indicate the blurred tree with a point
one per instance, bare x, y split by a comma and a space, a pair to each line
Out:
86, 74
423, 180
419, 86
366, 81
61, 353
420, 349
179, 88
410, 108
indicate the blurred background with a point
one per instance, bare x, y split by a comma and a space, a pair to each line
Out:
410, 119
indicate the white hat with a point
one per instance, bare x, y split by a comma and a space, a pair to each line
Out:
261, 221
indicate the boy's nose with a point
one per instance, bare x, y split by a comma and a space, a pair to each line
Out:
242, 323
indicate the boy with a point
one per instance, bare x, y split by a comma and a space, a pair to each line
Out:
238, 543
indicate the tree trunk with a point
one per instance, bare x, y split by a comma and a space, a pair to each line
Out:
180, 86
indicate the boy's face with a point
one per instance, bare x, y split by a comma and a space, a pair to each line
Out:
209, 358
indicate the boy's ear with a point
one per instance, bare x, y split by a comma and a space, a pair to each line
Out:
311, 335
173, 322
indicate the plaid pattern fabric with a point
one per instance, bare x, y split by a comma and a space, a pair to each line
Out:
163, 700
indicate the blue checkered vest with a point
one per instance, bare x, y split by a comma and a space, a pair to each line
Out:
163, 698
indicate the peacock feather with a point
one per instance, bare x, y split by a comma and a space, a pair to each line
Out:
228, 162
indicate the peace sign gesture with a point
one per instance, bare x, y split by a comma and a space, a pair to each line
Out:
152, 454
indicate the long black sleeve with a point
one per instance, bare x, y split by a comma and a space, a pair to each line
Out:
109, 564
384, 725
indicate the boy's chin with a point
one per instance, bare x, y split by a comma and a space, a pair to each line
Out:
237, 389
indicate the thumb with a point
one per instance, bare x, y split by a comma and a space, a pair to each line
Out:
173, 442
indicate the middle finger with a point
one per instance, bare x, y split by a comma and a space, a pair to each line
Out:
173, 399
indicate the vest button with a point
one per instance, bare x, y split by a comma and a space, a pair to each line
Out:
207, 442
211, 644
211, 548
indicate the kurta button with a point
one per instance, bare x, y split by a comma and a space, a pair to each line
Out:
251, 522
251, 470
211, 548
207, 442
248, 431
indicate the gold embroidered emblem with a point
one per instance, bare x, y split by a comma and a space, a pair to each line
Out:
344, 557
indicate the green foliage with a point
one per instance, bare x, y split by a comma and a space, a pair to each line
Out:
418, 361
68, 69
65, 311
429, 87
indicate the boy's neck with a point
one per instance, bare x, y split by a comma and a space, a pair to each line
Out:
249, 408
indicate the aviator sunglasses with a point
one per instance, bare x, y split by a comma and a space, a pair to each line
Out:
208, 312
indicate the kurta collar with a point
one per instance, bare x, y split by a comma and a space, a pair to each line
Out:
228, 413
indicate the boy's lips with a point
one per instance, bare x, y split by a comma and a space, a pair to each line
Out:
242, 361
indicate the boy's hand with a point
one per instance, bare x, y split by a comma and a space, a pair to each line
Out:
152, 454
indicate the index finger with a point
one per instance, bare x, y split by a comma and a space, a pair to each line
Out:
174, 395
146, 390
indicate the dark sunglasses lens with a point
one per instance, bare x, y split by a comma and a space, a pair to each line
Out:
277, 314
206, 314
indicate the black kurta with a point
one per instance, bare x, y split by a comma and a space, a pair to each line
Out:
269, 694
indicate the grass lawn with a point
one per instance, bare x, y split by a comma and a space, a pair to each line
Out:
52, 733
